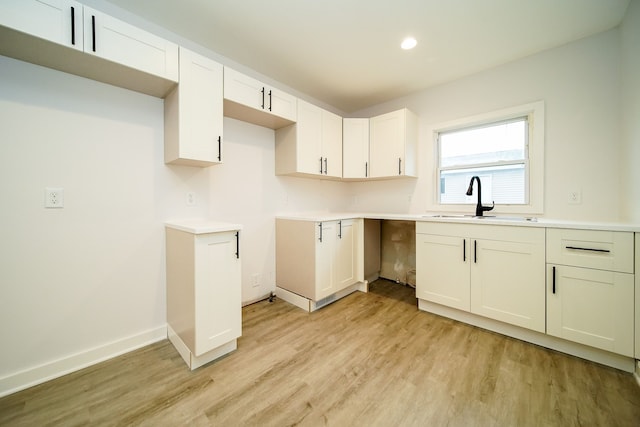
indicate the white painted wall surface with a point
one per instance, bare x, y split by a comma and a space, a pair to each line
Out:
87, 281
630, 159
580, 85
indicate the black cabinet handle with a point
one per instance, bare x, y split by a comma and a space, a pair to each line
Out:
320, 165
262, 98
475, 251
366, 169
237, 244
339, 229
576, 248
93, 31
399, 166
325, 165
320, 225
270, 100
464, 250
553, 281
219, 148
73, 25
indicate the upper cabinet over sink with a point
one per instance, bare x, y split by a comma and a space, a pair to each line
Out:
250, 100
67, 36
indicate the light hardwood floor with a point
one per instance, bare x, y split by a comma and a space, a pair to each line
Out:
367, 360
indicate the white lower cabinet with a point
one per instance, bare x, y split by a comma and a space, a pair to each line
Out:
204, 307
493, 271
442, 273
318, 259
591, 306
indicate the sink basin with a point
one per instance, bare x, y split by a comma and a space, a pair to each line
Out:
493, 217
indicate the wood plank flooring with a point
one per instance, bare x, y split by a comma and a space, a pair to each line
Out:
367, 360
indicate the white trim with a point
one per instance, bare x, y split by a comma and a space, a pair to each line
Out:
39, 374
193, 361
585, 352
535, 169
310, 305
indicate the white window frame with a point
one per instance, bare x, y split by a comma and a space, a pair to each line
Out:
534, 168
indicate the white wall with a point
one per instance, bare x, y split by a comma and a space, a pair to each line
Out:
86, 282
630, 159
580, 85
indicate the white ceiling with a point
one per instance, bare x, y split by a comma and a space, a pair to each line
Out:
346, 52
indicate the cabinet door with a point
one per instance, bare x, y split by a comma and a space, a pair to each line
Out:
387, 144
309, 139
59, 21
325, 243
442, 273
355, 148
218, 300
332, 144
282, 104
196, 134
117, 41
344, 258
243, 89
592, 307
507, 281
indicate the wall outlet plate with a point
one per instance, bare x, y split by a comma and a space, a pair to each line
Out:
53, 197
574, 197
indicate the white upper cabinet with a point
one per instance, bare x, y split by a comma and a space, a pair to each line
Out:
67, 36
392, 144
117, 41
193, 118
355, 148
59, 21
312, 146
252, 101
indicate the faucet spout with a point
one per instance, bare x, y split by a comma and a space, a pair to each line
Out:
479, 208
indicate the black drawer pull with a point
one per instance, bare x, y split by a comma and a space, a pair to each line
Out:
576, 248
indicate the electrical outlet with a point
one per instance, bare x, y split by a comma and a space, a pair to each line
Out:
255, 280
191, 198
53, 197
574, 197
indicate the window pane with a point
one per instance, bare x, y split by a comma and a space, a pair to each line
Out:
489, 144
502, 184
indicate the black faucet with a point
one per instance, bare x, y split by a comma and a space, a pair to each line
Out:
479, 208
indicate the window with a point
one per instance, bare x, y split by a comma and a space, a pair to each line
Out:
504, 149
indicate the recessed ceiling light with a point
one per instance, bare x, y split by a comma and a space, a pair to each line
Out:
408, 43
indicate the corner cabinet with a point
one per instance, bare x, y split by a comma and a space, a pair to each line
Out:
311, 146
193, 113
204, 307
70, 37
393, 145
355, 148
250, 100
493, 271
318, 262
590, 288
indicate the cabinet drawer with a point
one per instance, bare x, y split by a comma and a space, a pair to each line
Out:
602, 250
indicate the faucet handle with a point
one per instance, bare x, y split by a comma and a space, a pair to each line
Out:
489, 208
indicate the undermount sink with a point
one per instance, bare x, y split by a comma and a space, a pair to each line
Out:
494, 217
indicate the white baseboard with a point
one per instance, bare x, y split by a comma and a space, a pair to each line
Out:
39, 374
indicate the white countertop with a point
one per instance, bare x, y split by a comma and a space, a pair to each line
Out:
510, 220
202, 226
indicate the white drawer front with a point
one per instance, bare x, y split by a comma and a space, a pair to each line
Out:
602, 250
